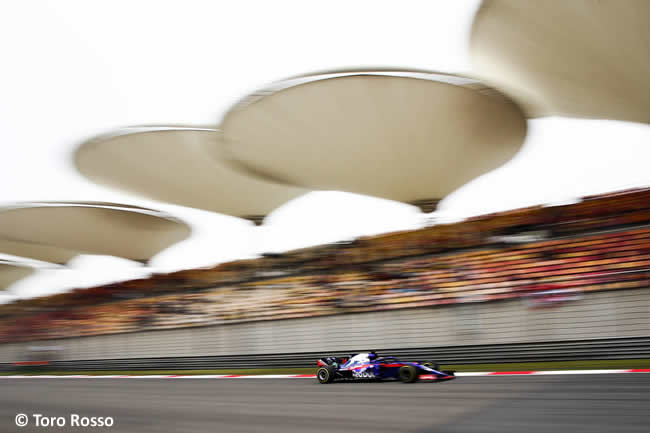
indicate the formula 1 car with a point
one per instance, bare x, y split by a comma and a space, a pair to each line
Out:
369, 366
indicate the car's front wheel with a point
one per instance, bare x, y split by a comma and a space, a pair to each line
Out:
326, 374
408, 374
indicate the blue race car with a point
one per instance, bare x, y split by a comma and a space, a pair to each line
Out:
370, 366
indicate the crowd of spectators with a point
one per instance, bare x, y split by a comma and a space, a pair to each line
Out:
537, 254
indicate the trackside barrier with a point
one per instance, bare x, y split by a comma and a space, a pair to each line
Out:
600, 349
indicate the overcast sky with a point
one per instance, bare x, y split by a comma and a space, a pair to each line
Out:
73, 69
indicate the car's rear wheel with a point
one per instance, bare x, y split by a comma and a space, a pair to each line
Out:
325, 374
408, 374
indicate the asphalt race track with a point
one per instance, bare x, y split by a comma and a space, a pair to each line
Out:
521, 404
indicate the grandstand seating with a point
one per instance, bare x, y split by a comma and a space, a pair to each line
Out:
431, 267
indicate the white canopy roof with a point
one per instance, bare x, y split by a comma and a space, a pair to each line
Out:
56, 231
408, 136
10, 272
172, 164
585, 58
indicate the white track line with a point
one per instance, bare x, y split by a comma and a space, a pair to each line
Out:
310, 376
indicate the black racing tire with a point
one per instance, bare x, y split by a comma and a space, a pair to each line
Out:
432, 364
408, 374
326, 374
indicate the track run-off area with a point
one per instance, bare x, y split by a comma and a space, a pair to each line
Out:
518, 403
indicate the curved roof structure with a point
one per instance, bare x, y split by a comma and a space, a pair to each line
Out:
10, 272
585, 58
58, 231
37, 251
409, 136
172, 164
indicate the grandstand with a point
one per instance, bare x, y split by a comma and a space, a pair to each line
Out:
544, 255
